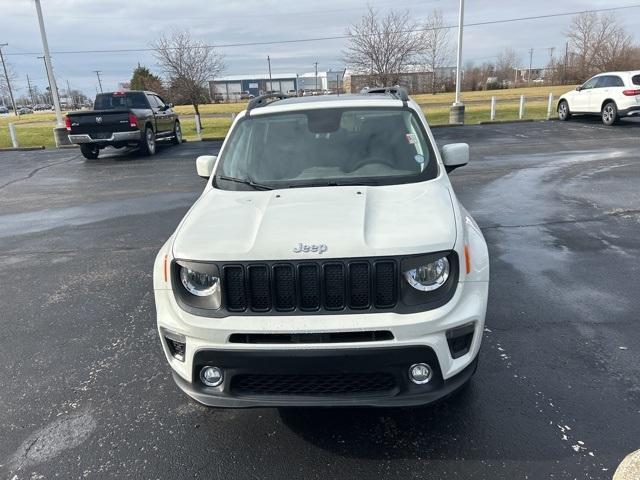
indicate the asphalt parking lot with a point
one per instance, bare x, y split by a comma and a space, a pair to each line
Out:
86, 391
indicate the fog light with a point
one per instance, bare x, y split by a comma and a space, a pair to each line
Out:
420, 373
211, 376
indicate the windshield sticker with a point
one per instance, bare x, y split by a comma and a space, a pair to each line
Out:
419, 159
411, 138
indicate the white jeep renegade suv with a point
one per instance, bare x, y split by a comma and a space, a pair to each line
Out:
327, 261
611, 95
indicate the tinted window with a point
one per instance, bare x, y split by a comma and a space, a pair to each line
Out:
636, 79
590, 83
112, 101
153, 101
329, 146
610, 81
159, 100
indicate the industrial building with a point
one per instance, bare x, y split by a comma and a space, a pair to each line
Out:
233, 88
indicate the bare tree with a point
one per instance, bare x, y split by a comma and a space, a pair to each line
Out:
436, 51
188, 66
382, 47
12, 76
598, 43
506, 63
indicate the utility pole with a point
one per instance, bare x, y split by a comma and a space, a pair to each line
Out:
33, 101
61, 136
69, 95
456, 114
566, 61
530, 65
48, 79
316, 65
270, 79
6, 77
98, 72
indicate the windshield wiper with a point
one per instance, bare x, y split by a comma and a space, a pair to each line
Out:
244, 181
333, 183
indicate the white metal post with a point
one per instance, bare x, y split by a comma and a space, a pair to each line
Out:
521, 114
459, 53
12, 134
198, 132
493, 108
47, 60
550, 105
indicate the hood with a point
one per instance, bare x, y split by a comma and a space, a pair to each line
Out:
339, 221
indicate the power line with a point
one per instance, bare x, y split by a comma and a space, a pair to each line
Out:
342, 37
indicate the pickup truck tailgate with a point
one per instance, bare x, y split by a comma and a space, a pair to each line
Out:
98, 122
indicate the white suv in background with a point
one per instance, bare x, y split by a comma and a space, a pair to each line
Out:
612, 95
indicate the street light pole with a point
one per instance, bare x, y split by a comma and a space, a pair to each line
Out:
270, 79
98, 72
6, 76
456, 115
47, 61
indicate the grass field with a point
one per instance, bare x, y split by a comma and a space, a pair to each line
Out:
36, 129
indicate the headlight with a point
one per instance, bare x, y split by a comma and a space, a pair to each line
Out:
430, 276
200, 284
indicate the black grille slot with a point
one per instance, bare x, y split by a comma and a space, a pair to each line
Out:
313, 384
285, 287
359, 285
385, 284
309, 284
234, 288
334, 286
260, 290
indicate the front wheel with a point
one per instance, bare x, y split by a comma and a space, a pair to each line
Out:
609, 114
563, 111
177, 134
148, 142
89, 151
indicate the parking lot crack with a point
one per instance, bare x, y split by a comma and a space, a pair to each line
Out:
33, 172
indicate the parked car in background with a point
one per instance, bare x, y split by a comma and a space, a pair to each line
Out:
611, 95
4, 110
246, 95
119, 119
24, 110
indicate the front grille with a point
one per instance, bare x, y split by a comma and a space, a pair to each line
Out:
331, 285
312, 384
329, 337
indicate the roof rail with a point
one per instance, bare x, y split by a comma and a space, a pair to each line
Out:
261, 101
398, 92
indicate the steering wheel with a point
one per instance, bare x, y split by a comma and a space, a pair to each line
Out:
373, 161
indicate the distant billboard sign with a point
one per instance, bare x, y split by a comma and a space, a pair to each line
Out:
253, 85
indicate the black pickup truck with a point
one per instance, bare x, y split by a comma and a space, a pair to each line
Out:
120, 119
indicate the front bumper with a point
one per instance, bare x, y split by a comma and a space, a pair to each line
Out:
208, 341
277, 378
116, 137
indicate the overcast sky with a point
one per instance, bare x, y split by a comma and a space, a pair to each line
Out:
116, 24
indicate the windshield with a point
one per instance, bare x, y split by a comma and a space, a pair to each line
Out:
365, 146
114, 101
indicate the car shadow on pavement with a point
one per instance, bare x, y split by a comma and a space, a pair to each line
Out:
432, 431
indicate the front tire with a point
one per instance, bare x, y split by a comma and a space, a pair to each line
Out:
609, 114
563, 111
148, 142
177, 134
89, 151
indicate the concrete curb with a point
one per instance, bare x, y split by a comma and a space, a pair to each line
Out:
21, 149
213, 139
501, 122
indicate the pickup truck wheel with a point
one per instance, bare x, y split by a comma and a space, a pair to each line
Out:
563, 111
177, 134
609, 114
148, 142
90, 152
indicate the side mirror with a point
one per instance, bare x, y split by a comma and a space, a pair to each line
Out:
454, 155
578, 88
204, 165
169, 105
